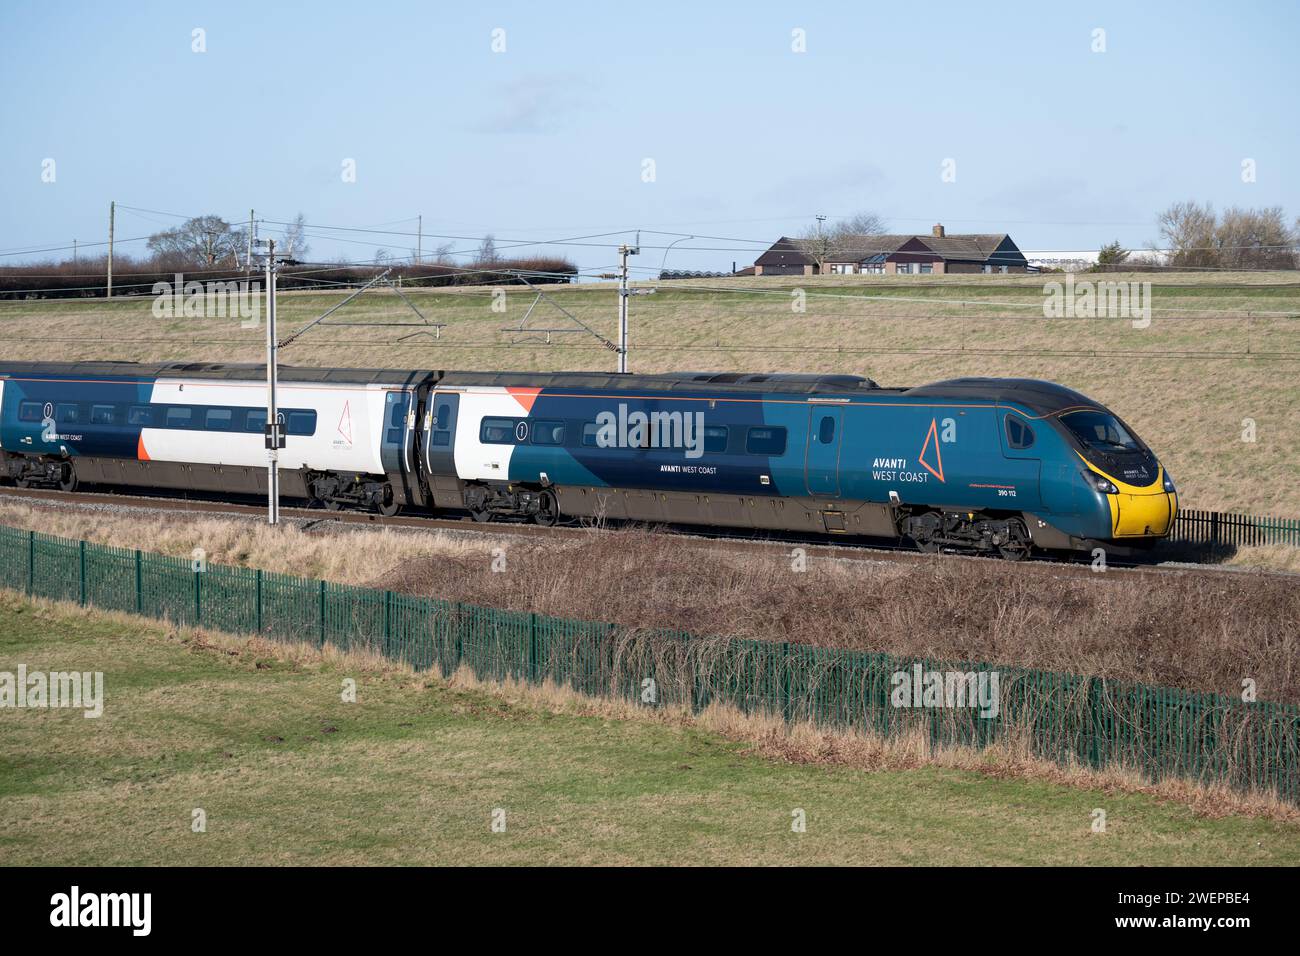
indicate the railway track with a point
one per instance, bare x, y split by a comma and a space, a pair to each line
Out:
850, 551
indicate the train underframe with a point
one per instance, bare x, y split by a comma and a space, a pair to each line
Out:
1006, 534
1011, 535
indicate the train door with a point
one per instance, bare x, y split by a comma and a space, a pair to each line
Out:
1018, 437
439, 433
439, 448
398, 434
822, 459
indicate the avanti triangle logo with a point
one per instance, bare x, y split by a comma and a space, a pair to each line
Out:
345, 422
932, 436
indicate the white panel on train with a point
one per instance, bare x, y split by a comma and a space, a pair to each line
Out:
349, 426
474, 459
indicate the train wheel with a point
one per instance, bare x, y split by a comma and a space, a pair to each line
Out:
68, 478
1018, 545
548, 509
480, 514
388, 505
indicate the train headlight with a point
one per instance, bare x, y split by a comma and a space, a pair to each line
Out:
1169, 484
1102, 484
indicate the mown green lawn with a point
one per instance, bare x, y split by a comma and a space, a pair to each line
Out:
412, 772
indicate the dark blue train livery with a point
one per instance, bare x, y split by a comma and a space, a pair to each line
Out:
973, 464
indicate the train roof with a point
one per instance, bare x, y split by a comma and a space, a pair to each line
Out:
219, 370
1043, 398
670, 381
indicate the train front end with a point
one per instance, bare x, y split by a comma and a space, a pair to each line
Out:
1132, 497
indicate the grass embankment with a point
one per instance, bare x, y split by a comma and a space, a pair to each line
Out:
257, 736
1211, 358
1197, 631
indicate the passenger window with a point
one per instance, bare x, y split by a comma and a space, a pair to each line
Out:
548, 433
102, 414
139, 415
443, 418
589, 433
715, 438
255, 421
301, 423
179, 416
218, 419
1019, 435
497, 431
67, 414
826, 431
30, 412
765, 440
397, 413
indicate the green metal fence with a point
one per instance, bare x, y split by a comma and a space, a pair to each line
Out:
1162, 732
1218, 528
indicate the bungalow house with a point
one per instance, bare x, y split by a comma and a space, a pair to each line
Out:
893, 254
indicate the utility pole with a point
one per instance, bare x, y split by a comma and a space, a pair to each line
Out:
112, 213
274, 427
248, 263
820, 220
419, 239
74, 253
623, 252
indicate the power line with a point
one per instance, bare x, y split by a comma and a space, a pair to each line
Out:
1138, 354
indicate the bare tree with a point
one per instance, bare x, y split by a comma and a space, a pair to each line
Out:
860, 224
487, 250
1239, 239
1255, 239
847, 237
201, 241
294, 238
1187, 230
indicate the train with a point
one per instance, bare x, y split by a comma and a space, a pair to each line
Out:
1000, 466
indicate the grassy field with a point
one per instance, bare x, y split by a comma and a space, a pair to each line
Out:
1219, 349
286, 772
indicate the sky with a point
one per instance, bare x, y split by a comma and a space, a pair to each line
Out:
554, 121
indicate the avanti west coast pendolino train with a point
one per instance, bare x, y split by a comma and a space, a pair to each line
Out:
979, 464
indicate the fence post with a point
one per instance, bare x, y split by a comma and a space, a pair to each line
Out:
1094, 722
787, 705
532, 648
322, 614
388, 617
31, 563
258, 615
83, 573
198, 598
460, 635
139, 583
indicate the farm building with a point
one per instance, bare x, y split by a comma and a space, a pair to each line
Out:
894, 254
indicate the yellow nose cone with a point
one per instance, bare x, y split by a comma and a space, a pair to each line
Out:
1140, 511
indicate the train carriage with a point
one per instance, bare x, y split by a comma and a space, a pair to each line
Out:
979, 464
